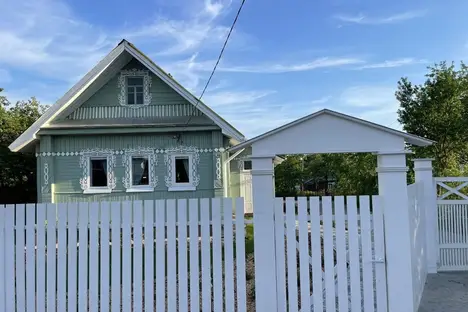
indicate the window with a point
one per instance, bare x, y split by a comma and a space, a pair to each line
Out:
135, 91
247, 165
139, 170
98, 174
98, 171
182, 170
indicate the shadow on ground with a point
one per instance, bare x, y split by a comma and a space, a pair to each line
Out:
445, 292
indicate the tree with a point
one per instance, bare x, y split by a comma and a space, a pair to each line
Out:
18, 174
438, 110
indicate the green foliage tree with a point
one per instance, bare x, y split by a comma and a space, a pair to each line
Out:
17, 177
438, 110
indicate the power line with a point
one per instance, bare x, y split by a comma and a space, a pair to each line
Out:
217, 62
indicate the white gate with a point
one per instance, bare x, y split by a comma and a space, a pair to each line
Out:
330, 254
452, 209
246, 190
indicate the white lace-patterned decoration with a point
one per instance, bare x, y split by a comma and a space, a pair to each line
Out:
84, 164
218, 182
152, 163
46, 186
122, 85
185, 150
121, 152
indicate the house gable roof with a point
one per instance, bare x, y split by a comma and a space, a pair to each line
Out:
327, 125
96, 78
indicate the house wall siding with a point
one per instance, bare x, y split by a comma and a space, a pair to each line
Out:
66, 180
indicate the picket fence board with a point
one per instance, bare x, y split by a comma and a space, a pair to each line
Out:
20, 267
182, 254
10, 256
304, 253
105, 239
367, 257
115, 255
171, 256
2, 259
379, 245
137, 256
149, 255
161, 256
126, 256
41, 258
205, 257
93, 268
328, 254
51, 257
72, 280
61, 257
317, 281
194, 256
354, 261
280, 256
341, 254
228, 255
217, 254
240, 256
30, 256
291, 254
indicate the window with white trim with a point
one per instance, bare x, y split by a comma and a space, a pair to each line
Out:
139, 170
182, 168
98, 171
135, 88
135, 93
247, 165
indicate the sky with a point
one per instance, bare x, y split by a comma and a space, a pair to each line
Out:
285, 59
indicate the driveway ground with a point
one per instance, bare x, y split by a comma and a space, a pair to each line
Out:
445, 292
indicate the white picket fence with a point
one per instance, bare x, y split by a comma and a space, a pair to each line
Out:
140, 256
327, 260
452, 207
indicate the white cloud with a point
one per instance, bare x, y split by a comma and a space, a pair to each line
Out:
226, 98
370, 20
321, 100
393, 63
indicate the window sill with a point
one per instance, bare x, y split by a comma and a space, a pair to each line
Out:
180, 188
97, 191
140, 190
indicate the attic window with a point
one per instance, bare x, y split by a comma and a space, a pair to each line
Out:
135, 88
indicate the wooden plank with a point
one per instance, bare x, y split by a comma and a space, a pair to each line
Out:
194, 256
182, 254
51, 257
291, 254
3, 284
116, 256
160, 255
30, 256
40, 258
93, 256
205, 254
329, 258
304, 253
126, 256
72, 278
240, 256
280, 256
341, 254
20, 267
105, 259
171, 263
149, 255
354, 262
62, 257
9, 256
317, 282
367, 267
137, 256
379, 247
83, 258
228, 254
217, 255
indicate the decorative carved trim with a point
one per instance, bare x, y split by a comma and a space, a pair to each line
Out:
121, 152
218, 182
122, 85
46, 187
194, 155
84, 164
152, 163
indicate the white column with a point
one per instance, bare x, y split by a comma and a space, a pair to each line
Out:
264, 232
394, 193
423, 173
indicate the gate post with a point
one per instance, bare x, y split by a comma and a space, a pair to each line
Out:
423, 173
264, 233
394, 193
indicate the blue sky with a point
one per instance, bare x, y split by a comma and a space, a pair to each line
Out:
286, 59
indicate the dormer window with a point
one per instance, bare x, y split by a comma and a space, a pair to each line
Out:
135, 91
135, 88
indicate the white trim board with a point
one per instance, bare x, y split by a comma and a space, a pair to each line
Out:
84, 83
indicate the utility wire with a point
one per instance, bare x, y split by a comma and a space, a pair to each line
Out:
217, 62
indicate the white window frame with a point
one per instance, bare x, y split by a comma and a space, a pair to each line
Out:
243, 165
135, 92
85, 164
127, 180
123, 85
193, 159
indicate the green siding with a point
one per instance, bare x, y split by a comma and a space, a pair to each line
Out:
68, 172
165, 102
